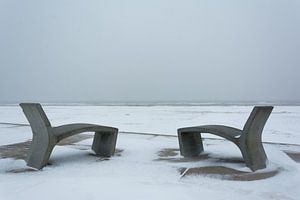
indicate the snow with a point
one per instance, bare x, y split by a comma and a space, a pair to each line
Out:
282, 126
136, 173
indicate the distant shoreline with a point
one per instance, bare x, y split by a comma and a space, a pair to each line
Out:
152, 104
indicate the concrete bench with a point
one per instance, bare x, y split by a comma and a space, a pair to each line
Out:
248, 140
45, 137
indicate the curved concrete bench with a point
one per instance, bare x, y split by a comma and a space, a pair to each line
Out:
248, 140
45, 137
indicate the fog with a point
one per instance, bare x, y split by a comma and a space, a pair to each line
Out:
154, 50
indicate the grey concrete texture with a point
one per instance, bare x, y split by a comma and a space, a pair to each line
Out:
45, 137
248, 140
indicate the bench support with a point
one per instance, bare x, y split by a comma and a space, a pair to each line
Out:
248, 140
45, 137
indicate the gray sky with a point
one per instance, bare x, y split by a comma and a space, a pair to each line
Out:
149, 50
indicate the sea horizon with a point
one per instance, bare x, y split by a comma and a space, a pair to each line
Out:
160, 103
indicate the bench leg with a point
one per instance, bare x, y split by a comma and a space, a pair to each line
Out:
104, 143
253, 154
190, 143
39, 152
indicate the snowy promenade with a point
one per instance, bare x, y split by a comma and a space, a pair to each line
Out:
149, 166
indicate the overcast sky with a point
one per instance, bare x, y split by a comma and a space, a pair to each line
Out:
149, 50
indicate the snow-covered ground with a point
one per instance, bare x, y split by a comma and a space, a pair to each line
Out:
283, 125
138, 171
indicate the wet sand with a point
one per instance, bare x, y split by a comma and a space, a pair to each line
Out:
226, 173
294, 155
19, 150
